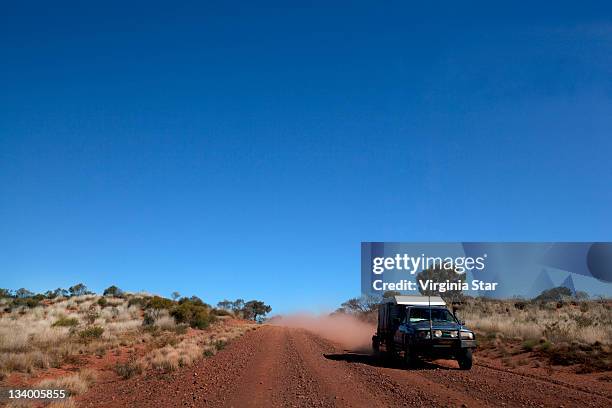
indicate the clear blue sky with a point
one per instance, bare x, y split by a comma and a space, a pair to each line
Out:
232, 150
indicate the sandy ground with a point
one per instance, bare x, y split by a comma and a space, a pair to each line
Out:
289, 367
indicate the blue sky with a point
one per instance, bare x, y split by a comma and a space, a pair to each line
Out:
228, 150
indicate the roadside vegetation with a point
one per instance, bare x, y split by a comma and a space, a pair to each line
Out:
554, 328
61, 334
561, 330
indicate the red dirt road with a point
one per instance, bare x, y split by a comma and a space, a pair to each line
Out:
281, 367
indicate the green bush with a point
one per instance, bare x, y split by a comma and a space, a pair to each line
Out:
102, 302
545, 345
157, 302
90, 333
138, 301
66, 322
528, 345
220, 344
221, 312
194, 315
30, 302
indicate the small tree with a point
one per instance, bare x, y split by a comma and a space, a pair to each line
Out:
254, 308
50, 294
237, 305
554, 294
5, 293
154, 308
23, 293
441, 275
175, 295
582, 295
361, 305
113, 291
390, 294
78, 290
225, 304
60, 292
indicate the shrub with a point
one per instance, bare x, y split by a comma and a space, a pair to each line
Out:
556, 333
66, 322
528, 345
157, 302
149, 318
220, 344
92, 314
545, 345
90, 333
137, 301
102, 302
221, 312
29, 302
192, 314
554, 295
129, 369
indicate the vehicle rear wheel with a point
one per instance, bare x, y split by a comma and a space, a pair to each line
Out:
465, 359
375, 345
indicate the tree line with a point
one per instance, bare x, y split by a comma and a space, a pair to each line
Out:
182, 308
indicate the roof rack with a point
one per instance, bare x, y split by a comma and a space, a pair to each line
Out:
419, 300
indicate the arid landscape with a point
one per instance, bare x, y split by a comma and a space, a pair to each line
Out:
73, 342
127, 350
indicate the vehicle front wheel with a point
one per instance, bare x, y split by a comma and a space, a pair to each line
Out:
465, 359
410, 358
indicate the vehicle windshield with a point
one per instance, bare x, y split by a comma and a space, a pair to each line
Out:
437, 315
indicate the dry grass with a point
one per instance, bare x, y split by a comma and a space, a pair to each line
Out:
564, 333
75, 384
530, 320
18, 403
65, 403
185, 353
46, 336
68, 332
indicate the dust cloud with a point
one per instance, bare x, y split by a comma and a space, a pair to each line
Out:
346, 330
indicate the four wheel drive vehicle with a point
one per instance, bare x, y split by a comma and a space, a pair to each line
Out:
422, 326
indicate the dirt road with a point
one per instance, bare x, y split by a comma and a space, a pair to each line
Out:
281, 367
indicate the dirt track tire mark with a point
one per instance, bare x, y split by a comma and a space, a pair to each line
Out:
551, 380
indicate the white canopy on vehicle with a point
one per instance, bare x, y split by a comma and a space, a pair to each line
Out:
419, 300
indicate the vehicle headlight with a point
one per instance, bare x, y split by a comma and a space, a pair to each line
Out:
438, 333
466, 335
453, 334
